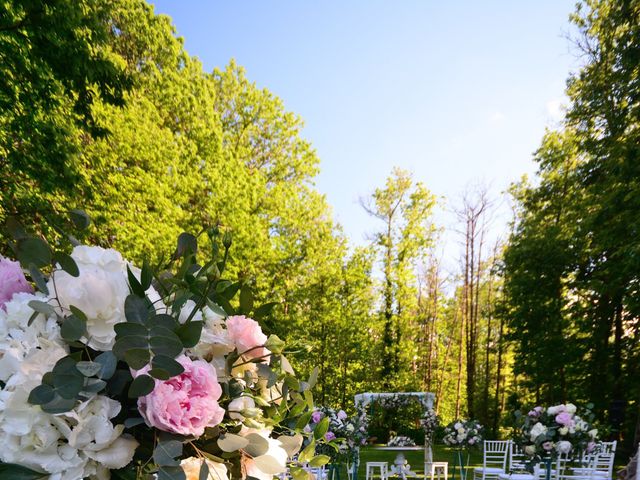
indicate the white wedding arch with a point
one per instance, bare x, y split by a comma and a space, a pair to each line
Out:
395, 398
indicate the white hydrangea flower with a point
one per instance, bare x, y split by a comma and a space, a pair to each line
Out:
18, 339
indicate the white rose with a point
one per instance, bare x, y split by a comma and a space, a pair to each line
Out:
238, 405
461, 431
214, 340
457, 426
593, 433
530, 450
99, 291
563, 430
570, 408
563, 446
537, 430
192, 465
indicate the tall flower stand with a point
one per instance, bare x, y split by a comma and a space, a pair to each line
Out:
428, 453
333, 471
547, 468
460, 462
352, 463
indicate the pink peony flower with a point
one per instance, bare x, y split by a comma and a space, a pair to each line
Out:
12, 280
247, 335
184, 404
564, 418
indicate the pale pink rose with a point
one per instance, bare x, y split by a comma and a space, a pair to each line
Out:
591, 446
247, 335
184, 404
564, 418
12, 280
547, 446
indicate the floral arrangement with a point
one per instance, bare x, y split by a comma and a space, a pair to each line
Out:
557, 430
400, 441
345, 433
394, 401
111, 371
463, 434
429, 422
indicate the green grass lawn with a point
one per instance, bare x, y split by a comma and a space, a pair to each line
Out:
414, 458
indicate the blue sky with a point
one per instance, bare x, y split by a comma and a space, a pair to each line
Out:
457, 92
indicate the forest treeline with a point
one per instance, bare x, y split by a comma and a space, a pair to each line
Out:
101, 108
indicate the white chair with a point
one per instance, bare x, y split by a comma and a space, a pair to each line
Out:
517, 458
494, 460
602, 461
382, 466
437, 470
565, 471
318, 473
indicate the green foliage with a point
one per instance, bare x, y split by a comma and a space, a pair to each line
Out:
571, 269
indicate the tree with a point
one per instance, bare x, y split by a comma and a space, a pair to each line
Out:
404, 207
57, 62
474, 217
571, 265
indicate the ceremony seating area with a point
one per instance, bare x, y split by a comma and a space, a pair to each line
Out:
504, 460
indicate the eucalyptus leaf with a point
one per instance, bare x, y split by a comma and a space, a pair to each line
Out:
38, 278
11, 471
80, 218
108, 363
67, 263
42, 307
34, 251
231, 442
136, 309
88, 369
72, 328
171, 473
166, 452
142, 385
168, 364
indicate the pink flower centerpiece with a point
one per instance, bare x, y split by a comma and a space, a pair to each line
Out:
184, 404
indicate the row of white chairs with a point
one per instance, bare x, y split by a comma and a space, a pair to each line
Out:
496, 454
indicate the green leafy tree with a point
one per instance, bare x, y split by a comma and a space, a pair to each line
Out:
404, 207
